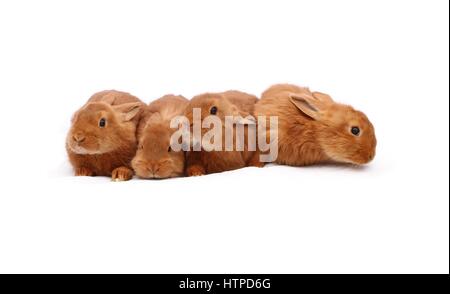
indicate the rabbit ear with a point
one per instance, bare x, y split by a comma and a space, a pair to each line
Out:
154, 118
242, 117
128, 110
325, 98
248, 120
307, 104
109, 98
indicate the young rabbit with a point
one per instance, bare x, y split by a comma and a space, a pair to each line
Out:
102, 138
155, 157
231, 103
312, 128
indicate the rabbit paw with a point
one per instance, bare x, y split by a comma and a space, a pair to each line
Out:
121, 174
256, 163
195, 171
83, 172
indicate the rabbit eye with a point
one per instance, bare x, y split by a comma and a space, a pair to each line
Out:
213, 110
102, 123
355, 131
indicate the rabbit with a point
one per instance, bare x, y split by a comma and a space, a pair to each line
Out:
312, 128
155, 159
102, 137
231, 103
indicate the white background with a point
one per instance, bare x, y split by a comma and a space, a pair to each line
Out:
387, 58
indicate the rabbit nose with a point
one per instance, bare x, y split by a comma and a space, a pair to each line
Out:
369, 156
79, 138
153, 169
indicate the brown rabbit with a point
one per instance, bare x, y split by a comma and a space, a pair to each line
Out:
231, 103
312, 128
102, 138
155, 157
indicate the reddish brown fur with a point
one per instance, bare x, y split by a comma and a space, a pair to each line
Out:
326, 137
115, 98
95, 151
230, 103
154, 159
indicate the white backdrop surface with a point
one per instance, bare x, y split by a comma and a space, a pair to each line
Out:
387, 58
